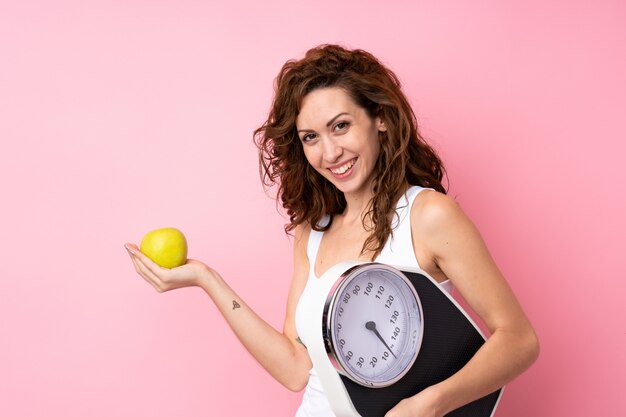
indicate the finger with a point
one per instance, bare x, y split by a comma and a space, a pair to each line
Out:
147, 262
144, 272
131, 248
153, 278
136, 254
141, 269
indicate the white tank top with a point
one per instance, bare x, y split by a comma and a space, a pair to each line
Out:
398, 251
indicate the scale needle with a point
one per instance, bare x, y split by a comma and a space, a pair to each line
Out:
370, 325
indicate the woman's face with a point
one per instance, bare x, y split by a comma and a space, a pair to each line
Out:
340, 140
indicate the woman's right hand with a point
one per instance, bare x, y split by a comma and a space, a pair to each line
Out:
280, 354
192, 273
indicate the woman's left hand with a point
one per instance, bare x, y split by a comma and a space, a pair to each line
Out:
423, 404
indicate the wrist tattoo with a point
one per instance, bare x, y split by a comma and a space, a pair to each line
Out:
235, 304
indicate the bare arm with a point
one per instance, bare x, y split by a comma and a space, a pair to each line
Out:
280, 354
455, 249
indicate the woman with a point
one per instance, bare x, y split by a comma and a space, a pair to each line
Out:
358, 182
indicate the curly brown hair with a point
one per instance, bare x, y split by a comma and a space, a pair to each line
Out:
405, 158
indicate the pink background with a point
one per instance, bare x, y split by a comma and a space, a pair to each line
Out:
116, 119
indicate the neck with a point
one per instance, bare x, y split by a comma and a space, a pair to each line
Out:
356, 205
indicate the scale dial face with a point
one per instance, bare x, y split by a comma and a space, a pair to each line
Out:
373, 324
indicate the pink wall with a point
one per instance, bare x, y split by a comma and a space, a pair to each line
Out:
116, 119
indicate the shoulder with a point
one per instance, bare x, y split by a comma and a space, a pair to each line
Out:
301, 238
300, 257
302, 231
436, 217
433, 208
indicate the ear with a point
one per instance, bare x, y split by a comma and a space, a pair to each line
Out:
380, 125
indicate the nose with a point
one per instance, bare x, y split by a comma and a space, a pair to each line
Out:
331, 149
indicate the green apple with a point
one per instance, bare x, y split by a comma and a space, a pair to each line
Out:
167, 247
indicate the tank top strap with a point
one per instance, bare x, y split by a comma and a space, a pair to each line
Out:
313, 245
398, 249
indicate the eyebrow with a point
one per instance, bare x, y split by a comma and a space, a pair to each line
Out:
330, 122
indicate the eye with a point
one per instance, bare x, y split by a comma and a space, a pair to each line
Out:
308, 137
342, 125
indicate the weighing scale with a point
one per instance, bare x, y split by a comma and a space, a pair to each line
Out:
378, 335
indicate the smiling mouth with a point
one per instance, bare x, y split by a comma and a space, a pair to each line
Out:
343, 168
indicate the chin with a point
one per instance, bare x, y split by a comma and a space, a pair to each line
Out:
349, 188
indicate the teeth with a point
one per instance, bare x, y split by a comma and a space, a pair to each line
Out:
342, 169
